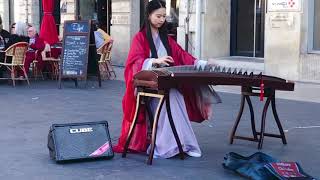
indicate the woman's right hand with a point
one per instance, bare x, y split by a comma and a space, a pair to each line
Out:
163, 61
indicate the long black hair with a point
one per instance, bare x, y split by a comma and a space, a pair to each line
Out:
163, 32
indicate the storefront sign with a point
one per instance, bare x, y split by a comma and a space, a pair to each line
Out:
284, 5
284, 21
120, 19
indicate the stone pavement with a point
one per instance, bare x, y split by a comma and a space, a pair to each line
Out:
27, 113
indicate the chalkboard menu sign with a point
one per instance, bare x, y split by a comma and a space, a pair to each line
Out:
75, 55
76, 39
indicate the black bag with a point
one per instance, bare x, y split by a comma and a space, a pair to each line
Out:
79, 141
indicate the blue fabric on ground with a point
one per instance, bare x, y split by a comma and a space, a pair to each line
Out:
258, 166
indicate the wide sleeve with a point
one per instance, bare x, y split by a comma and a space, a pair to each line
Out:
180, 56
136, 57
134, 63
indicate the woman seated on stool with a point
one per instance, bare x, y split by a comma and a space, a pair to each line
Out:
151, 47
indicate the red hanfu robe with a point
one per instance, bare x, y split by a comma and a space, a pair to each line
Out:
138, 53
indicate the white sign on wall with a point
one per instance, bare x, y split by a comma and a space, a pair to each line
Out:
282, 20
284, 5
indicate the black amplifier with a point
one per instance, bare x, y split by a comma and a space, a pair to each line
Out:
79, 141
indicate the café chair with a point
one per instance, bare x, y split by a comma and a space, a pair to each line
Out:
51, 61
105, 64
35, 71
17, 52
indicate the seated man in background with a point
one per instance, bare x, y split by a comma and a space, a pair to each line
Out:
101, 37
36, 44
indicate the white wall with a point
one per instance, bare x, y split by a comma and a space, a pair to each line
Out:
125, 23
215, 30
282, 44
4, 6
309, 65
216, 37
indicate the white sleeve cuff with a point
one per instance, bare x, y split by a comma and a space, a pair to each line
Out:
200, 64
147, 64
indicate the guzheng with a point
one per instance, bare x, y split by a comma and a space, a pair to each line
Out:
170, 77
156, 84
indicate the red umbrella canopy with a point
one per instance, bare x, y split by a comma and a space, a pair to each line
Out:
48, 31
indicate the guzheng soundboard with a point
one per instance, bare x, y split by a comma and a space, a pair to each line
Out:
171, 77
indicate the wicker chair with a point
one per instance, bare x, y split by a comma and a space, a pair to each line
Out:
35, 71
17, 52
105, 64
52, 62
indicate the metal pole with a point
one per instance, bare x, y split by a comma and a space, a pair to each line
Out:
10, 20
27, 11
198, 30
254, 28
187, 27
108, 18
78, 10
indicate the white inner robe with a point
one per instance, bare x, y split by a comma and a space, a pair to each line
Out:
166, 145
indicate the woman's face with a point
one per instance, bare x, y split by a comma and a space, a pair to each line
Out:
158, 17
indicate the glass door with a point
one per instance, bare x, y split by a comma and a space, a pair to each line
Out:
247, 28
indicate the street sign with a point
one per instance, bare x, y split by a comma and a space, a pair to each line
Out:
284, 5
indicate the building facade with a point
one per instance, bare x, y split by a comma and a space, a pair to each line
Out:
279, 37
20, 10
283, 35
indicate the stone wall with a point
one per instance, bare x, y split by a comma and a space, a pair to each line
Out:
4, 6
215, 30
125, 23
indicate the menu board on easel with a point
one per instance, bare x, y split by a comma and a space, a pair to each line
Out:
75, 51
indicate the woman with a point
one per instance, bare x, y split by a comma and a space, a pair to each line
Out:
151, 47
19, 34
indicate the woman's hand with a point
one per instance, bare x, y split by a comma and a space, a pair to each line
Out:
163, 61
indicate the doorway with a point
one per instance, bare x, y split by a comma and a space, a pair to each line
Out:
99, 10
247, 28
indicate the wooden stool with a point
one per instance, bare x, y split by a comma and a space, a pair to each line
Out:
141, 97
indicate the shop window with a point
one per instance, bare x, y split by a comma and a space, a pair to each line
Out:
67, 10
314, 26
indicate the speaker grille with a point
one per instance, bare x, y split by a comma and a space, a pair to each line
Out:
78, 141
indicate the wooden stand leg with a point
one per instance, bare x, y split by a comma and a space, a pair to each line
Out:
253, 125
75, 82
276, 117
176, 136
150, 118
263, 123
154, 130
235, 126
134, 122
258, 136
